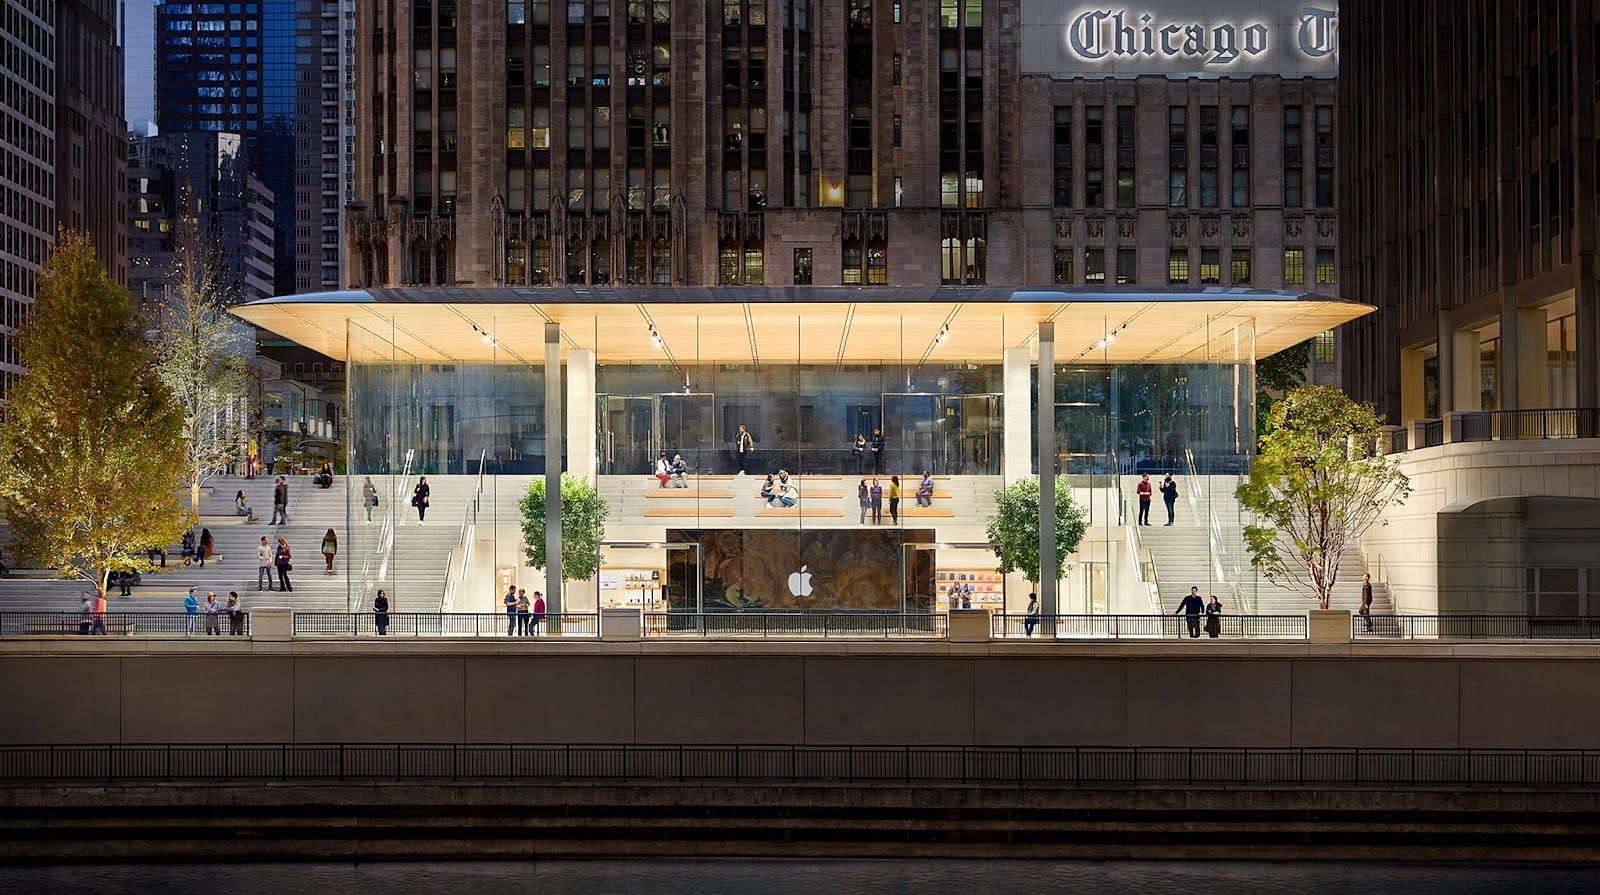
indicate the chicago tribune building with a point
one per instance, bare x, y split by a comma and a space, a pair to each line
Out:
598, 232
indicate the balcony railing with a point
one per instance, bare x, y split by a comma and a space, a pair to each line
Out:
1518, 425
23, 624
914, 625
1475, 627
445, 624
1146, 627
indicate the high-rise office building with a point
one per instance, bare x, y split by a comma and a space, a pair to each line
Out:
27, 165
200, 180
1468, 212
324, 139
91, 133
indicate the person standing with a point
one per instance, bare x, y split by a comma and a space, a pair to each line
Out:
523, 608
876, 492
1190, 608
509, 601
380, 612
538, 613
858, 449
1032, 618
894, 500
235, 615
330, 548
1169, 495
281, 558
280, 502
1366, 601
419, 498
865, 497
99, 626
191, 608
1144, 499
877, 450
744, 445
264, 556
213, 614
369, 497
1214, 618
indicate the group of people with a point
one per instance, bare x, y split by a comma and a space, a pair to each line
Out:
672, 473
1169, 496
1193, 606
213, 612
870, 495
864, 451
523, 616
780, 490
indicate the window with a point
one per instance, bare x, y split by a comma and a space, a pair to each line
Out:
1178, 267
1127, 263
897, 131
1094, 266
1210, 267
1294, 267
728, 264
1094, 189
1241, 267
754, 265
1293, 195
1062, 265
1124, 187
1063, 156
1241, 188
1322, 347
1177, 188
1325, 271
1556, 592
802, 267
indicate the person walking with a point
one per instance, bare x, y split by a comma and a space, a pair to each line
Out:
187, 548
538, 613
280, 502
858, 449
523, 608
213, 614
744, 446
264, 556
86, 613
281, 558
509, 601
894, 500
235, 615
419, 498
330, 548
191, 608
877, 450
1032, 618
876, 492
925, 490
1366, 602
865, 498
1169, 496
1214, 618
1144, 499
243, 508
1190, 608
380, 612
369, 497
99, 618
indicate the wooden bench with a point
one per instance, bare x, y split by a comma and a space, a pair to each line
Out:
916, 512
681, 512
688, 493
803, 512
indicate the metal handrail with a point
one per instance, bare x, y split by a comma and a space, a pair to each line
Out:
46, 624
1471, 626
1233, 626
445, 624
376, 565
799, 623
455, 576
1228, 570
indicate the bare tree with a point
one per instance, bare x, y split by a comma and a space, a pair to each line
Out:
203, 356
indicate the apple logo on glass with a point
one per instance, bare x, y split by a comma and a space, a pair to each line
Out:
800, 583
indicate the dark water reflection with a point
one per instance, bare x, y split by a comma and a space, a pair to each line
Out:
766, 877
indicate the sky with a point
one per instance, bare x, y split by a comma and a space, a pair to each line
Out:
139, 62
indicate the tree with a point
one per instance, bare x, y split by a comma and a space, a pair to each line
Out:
1317, 485
1014, 528
202, 358
91, 445
1278, 375
583, 525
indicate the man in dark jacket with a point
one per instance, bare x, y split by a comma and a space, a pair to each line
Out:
280, 502
1169, 495
1191, 609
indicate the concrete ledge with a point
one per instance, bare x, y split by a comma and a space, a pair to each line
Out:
969, 626
1328, 625
621, 625
800, 511
681, 512
688, 493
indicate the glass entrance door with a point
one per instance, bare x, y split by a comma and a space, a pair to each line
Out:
909, 424
627, 427
969, 428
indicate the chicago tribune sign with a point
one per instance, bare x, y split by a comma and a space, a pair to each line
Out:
1068, 38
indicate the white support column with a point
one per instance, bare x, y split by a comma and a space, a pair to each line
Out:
1016, 372
1047, 470
552, 467
582, 437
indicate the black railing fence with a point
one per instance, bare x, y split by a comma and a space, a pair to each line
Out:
22, 624
1146, 627
927, 625
1341, 768
1475, 627
1534, 424
445, 624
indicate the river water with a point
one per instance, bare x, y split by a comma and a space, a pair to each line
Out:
803, 877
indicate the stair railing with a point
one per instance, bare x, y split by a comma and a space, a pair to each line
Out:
457, 564
1227, 567
375, 567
